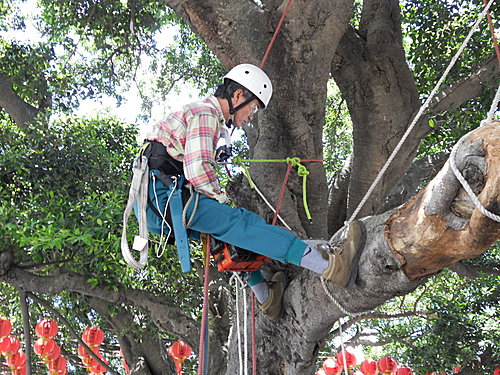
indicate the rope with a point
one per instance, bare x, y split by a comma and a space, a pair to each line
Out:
494, 107
282, 192
204, 320
273, 39
292, 162
422, 110
466, 186
254, 341
492, 31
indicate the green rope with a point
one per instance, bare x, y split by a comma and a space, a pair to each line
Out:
301, 172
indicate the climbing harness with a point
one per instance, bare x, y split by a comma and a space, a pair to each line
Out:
148, 179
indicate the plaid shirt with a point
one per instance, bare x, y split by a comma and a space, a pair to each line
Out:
191, 136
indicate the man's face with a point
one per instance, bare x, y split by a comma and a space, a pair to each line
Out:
244, 115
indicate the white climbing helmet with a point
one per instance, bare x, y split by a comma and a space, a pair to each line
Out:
254, 79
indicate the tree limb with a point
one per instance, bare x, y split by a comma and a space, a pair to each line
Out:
21, 112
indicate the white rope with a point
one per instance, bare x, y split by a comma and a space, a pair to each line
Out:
342, 309
494, 107
161, 249
270, 206
245, 329
242, 353
422, 110
466, 186
238, 332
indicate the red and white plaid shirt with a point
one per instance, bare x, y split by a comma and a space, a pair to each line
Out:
191, 136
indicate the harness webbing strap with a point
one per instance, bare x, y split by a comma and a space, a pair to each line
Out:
180, 232
138, 193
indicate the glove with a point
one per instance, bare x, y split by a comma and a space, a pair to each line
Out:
223, 153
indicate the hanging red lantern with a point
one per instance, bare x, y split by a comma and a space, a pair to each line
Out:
369, 367
43, 347
55, 353
93, 336
5, 327
331, 366
497, 371
98, 368
47, 328
387, 365
457, 369
9, 345
58, 365
83, 353
404, 371
350, 359
181, 350
16, 360
19, 371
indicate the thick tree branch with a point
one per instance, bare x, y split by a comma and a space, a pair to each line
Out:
21, 112
440, 226
471, 87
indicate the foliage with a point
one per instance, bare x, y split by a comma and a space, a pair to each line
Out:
63, 189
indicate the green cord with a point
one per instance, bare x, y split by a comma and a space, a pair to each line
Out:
301, 171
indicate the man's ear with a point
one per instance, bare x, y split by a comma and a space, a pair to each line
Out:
238, 94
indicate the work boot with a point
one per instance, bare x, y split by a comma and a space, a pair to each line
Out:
343, 258
272, 308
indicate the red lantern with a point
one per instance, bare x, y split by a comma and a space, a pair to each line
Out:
387, 365
43, 347
404, 371
83, 353
331, 366
9, 345
46, 328
93, 336
58, 365
55, 353
497, 371
369, 367
19, 371
350, 359
181, 350
16, 360
5, 327
99, 368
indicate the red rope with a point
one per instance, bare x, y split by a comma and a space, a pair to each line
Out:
282, 193
492, 30
201, 351
275, 34
254, 340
